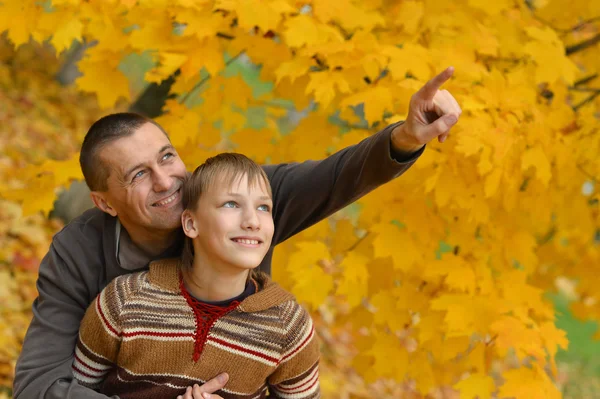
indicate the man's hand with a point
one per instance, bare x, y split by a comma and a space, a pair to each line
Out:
431, 113
205, 391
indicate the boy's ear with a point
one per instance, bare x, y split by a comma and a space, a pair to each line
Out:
190, 228
102, 203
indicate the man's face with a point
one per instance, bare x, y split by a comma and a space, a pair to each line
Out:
144, 186
235, 224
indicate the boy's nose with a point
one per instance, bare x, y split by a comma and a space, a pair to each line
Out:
251, 221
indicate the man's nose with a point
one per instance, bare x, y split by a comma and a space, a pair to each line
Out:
161, 180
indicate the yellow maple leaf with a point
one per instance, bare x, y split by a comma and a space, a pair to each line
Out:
376, 100
388, 313
345, 237
293, 69
385, 347
325, 85
409, 15
181, 123
103, 79
476, 386
353, 282
535, 157
64, 171
397, 243
528, 383
513, 334
253, 13
553, 339
257, 144
168, 63
207, 53
311, 283
70, 29
38, 196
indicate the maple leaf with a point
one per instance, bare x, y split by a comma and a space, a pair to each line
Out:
323, 86
255, 142
353, 284
99, 72
528, 383
376, 100
311, 283
476, 385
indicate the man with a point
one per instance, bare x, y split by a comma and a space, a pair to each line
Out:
135, 177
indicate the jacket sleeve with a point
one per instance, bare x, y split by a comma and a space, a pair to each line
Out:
308, 192
43, 369
297, 375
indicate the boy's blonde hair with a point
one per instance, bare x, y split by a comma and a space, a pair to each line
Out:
229, 167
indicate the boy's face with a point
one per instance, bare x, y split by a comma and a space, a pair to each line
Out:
234, 224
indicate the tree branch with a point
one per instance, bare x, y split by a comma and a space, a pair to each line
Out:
584, 89
585, 80
206, 79
586, 101
583, 45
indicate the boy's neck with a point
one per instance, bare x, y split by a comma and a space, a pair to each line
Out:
211, 284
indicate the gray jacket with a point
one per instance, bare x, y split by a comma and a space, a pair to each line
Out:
89, 252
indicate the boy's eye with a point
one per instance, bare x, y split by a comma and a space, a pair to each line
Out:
230, 204
264, 208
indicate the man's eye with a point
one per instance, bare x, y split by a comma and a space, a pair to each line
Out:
138, 174
264, 208
230, 204
168, 155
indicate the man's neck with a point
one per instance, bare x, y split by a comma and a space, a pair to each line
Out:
213, 284
153, 243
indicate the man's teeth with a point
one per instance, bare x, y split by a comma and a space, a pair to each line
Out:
244, 241
166, 200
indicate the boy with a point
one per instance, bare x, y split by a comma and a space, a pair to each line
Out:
154, 333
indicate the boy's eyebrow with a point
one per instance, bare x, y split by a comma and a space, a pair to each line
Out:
139, 165
263, 197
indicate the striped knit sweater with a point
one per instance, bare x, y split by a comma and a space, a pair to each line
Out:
139, 336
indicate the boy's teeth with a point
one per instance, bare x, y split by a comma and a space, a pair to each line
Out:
244, 241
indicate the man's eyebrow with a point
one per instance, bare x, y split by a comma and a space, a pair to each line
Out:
132, 169
166, 147
139, 165
263, 197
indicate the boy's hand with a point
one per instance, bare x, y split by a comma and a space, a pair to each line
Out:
205, 391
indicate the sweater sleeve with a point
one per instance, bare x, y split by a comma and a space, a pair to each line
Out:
99, 337
297, 375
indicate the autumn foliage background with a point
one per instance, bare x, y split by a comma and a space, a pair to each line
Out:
453, 280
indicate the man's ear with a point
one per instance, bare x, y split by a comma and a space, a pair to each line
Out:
188, 222
102, 203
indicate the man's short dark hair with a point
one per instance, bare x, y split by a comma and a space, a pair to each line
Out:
104, 131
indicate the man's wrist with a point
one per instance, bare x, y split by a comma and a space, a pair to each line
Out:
401, 142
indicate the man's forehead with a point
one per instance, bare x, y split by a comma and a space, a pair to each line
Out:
141, 147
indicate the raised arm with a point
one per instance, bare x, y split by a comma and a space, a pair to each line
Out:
305, 193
